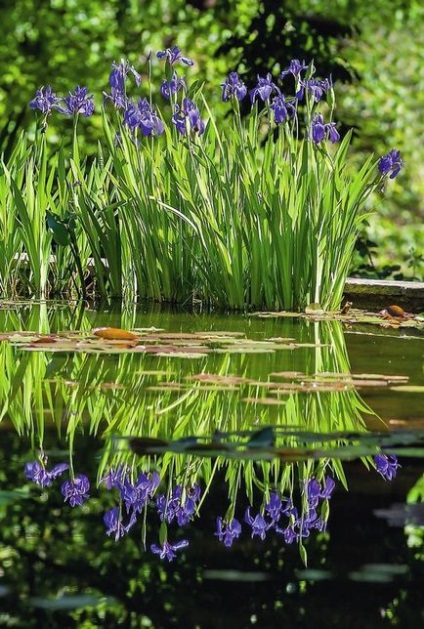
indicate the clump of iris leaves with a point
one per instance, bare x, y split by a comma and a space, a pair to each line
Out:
260, 211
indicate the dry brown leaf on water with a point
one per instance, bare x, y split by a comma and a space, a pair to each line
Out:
44, 340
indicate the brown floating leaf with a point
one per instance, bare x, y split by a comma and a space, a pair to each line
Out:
114, 334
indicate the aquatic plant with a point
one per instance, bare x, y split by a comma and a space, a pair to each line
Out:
262, 211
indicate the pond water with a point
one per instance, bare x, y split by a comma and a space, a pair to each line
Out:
209, 470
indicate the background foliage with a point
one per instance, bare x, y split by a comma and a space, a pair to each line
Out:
375, 49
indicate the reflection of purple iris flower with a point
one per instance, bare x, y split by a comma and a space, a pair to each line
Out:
227, 532
168, 550
113, 522
313, 492
135, 495
115, 477
258, 524
178, 507
327, 490
76, 490
386, 465
39, 475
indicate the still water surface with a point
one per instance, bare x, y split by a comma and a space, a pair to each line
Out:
205, 386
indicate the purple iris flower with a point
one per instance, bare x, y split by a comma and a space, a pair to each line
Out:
143, 117
113, 522
168, 550
390, 163
76, 490
386, 465
295, 68
38, 474
119, 74
333, 134
318, 129
188, 115
264, 88
233, 86
289, 533
227, 532
172, 55
77, 102
316, 87
117, 81
282, 109
258, 524
45, 100
172, 87
321, 130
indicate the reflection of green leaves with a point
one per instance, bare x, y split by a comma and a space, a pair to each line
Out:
163, 533
157, 410
9, 496
67, 602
